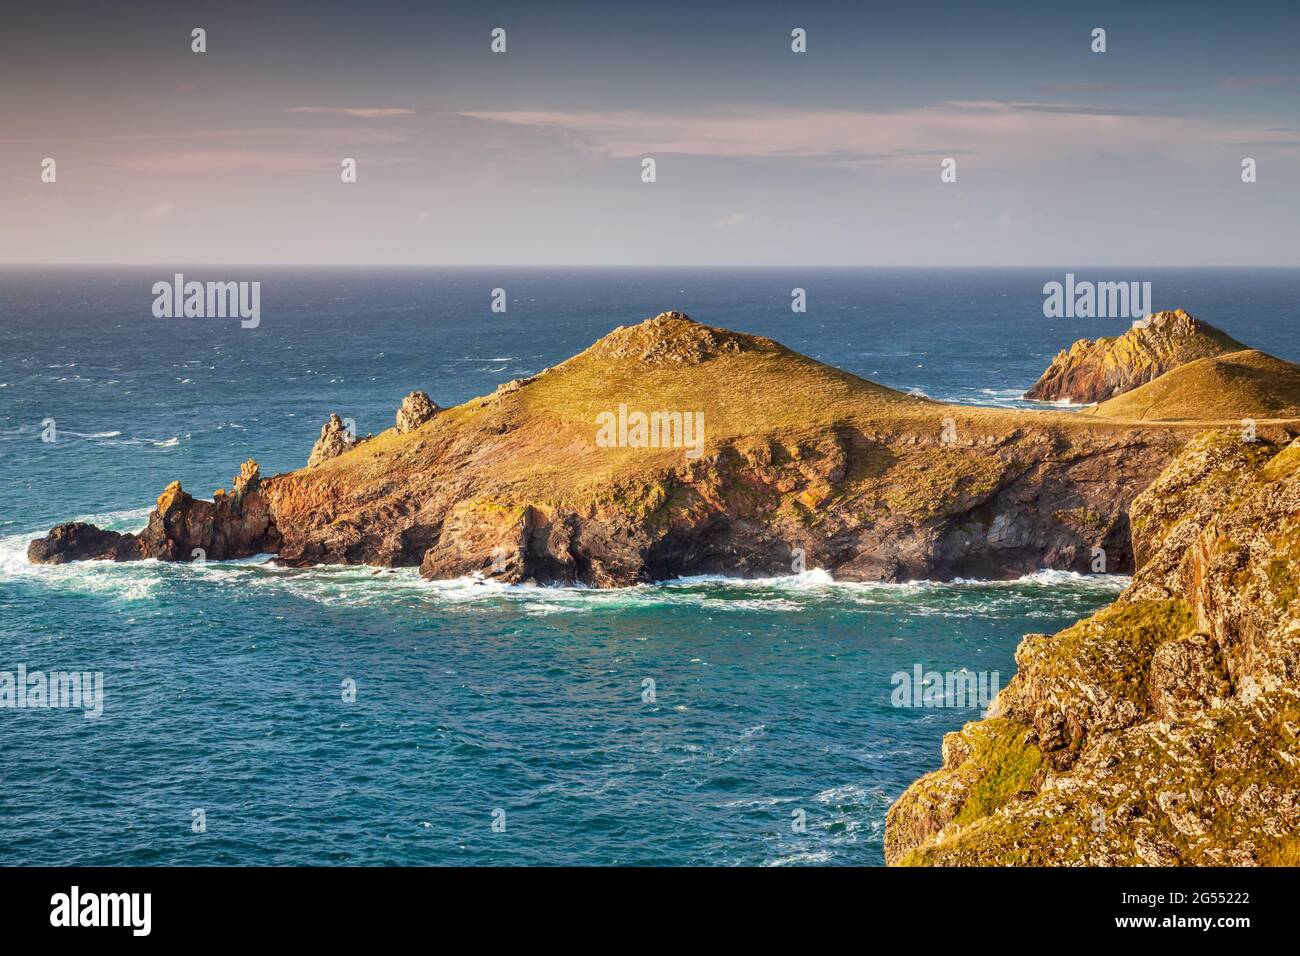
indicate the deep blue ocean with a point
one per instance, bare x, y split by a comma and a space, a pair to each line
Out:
475, 705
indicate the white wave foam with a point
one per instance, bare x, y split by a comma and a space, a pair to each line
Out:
13, 550
805, 579
801, 859
1050, 577
130, 519
362, 585
852, 794
1058, 403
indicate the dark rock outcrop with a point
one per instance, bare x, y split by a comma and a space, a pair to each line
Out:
1094, 370
77, 541
183, 528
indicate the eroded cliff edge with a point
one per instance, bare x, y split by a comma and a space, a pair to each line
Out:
1163, 730
797, 464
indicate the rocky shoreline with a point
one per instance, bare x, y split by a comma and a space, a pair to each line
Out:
865, 482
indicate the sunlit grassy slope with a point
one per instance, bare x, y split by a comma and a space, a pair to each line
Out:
1244, 384
536, 437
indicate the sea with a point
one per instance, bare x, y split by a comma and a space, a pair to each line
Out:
258, 715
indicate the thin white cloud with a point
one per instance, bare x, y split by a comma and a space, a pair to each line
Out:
365, 112
250, 133
1002, 133
1251, 82
208, 162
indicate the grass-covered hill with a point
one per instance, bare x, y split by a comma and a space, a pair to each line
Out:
1229, 387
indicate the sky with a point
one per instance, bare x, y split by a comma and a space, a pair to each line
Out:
763, 156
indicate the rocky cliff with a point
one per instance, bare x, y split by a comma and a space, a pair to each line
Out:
672, 448
1164, 729
1093, 370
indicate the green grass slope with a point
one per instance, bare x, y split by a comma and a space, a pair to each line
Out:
1244, 384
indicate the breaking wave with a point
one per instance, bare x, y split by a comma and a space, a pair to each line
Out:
362, 586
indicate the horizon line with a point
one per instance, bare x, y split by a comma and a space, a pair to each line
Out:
664, 266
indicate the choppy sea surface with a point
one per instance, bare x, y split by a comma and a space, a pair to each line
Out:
477, 704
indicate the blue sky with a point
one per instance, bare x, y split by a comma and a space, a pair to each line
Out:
764, 156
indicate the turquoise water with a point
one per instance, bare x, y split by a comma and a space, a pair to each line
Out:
223, 683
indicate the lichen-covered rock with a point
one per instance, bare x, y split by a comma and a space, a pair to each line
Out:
674, 338
416, 409
1094, 370
250, 475
334, 440
1170, 721
985, 765
1186, 677
1168, 518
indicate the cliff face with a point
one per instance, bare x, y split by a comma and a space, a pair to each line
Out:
746, 459
1097, 369
1166, 728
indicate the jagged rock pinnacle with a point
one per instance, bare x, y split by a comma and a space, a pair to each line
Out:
417, 408
334, 440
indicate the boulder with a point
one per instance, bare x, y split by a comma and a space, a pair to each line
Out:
417, 408
78, 541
